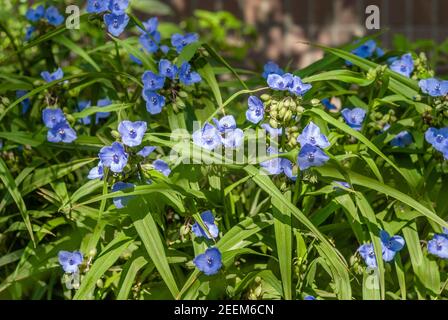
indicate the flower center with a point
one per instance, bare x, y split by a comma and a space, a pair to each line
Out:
209, 261
61, 131
439, 245
439, 138
154, 100
353, 118
116, 158
313, 140
96, 5
115, 23
132, 133
311, 157
71, 262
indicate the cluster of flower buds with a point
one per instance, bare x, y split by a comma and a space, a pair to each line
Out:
281, 110
376, 73
381, 121
422, 70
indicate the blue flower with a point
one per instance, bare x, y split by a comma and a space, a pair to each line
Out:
35, 15
342, 184
367, 252
276, 166
402, 139
116, 23
51, 117
102, 115
162, 167
29, 32
309, 298
26, 104
404, 65
272, 131
327, 104
167, 69
179, 41
280, 82
50, 77
208, 137
233, 138
434, 87
187, 76
114, 157
299, 88
390, 245
311, 156
96, 172
53, 16
255, 111
154, 101
225, 123
97, 6
146, 151
366, 50
438, 246
150, 37
83, 105
311, 135
132, 132
209, 262
70, 261
152, 81
271, 68
135, 59
61, 132
209, 221
165, 49
438, 138
354, 117
121, 202
118, 6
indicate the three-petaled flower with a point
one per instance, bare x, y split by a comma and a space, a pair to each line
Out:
210, 262
209, 221
255, 111
132, 132
70, 261
114, 157
354, 117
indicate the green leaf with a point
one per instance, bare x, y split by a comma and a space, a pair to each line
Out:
128, 276
76, 49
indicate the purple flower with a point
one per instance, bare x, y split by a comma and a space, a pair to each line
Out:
187, 76
146, 151
390, 245
438, 138
83, 105
309, 298
272, 131
233, 138
29, 32
165, 49
61, 132
102, 115
132, 132
50, 77
434, 87
311, 135
280, 82
70, 261
404, 65
97, 6
354, 117
438, 245
366, 50
135, 59
208, 137
162, 167
114, 157
118, 6
152, 81
26, 104
367, 252
179, 41
255, 111
327, 104
276, 166
150, 41
51, 117
342, 184
53, 16
209, 221
154, 101
35, 15
225, 123
271, 68
209, 262
167, 69
402, 139
116, 23
311, 156
96, 172
121, 202
299, 88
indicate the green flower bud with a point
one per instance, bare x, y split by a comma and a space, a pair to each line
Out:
282, 113
265, 97
300, 110
273, 114
273, 123
182, 94
315, 102
115, 134
287, 116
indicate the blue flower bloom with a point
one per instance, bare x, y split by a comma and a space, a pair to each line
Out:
162, 167
114, 157
146, 151
96, 172
367, 252
271, 68
311, 135
233, 138
434, 87
255, 111
311, 156
354, 117
165, 49
327, 104
50, 77
118, 6
179, 41
390, 245
167, 69
209, 221
116, 23
187, 76
272, 131
225, 123
102, 115
29, 32
152, 81
403, 139
342, 184
97, 6
280, 82
209, 262
404, 65
309, 298
366, 50
154, 101
61, 132
150, 41
208, 137
35, 15
278, 165
51, 117
299, 88
135, 59
132, 132
438, 138
81, 106
438, 246
53, 16
26, 104
121, 202
70, 261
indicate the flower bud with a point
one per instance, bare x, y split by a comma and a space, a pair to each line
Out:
287, 116
182, 94
115, 134
273, 123
265, 97
315, 102
282, 112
